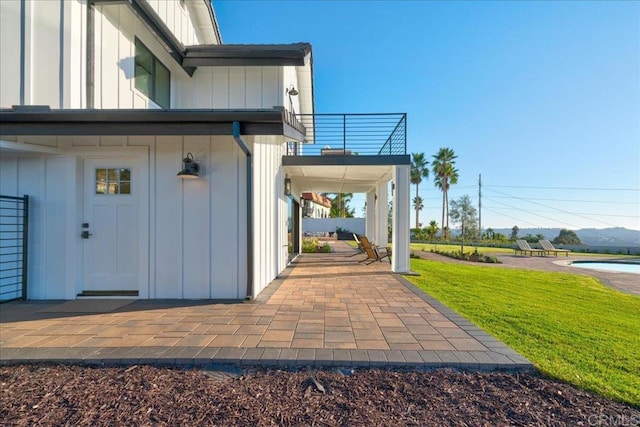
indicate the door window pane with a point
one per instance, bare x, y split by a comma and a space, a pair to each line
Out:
112, 181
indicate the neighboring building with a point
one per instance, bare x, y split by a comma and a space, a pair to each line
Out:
315, 205
101, 100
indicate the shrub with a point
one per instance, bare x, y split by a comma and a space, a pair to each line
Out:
473, 257
312, 246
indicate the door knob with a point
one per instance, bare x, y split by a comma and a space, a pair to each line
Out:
85, 234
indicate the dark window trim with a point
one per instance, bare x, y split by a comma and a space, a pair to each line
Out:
153, 95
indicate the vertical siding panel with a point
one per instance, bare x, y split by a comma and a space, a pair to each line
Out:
270, 87
226, 219
203, 81
10, 47
97, 57
110, 59
31, 173
55, 232
177, 20
168, 215
45, 54
126, 62
237, 88
9, 175
220, 83
160, 6
253, 76
196, 221
149, 143
183, 95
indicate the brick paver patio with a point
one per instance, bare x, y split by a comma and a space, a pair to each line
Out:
326, 309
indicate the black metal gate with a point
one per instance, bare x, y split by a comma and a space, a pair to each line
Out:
14, 226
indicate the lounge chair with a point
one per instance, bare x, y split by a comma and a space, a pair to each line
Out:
548, 246
360, 248
374, 253
524, 248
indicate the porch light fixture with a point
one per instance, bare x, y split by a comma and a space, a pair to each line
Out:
291, 91
190, 169
287, 186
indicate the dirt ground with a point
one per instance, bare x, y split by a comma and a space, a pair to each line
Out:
46, 394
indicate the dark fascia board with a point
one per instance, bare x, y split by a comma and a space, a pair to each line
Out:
381, 160
40, 121
247, 55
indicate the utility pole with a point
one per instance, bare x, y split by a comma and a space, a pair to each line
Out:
480, 204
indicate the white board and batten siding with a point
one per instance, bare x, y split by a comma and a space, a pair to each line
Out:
270, 207
196, 228
230, 88
45, 180
116, 27
54, 50
175, 14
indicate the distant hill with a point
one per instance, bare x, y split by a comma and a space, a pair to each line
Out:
617, 236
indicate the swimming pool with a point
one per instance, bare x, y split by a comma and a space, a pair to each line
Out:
619, 267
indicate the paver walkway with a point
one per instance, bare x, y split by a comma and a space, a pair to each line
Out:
326, 310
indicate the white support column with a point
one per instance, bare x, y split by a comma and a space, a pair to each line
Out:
370, 221
381, 237
400, 245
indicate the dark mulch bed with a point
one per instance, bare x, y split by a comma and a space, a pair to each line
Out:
146, 395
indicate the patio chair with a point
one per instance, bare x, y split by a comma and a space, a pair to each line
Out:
374, 253
524, 248
548, 246
360, 248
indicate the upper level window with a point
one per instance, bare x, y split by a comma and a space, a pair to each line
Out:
152, 78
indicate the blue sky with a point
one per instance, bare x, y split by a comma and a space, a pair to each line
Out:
528, 94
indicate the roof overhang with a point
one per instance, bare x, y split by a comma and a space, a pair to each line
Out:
341, 174
191, 57
246, 55
42, 121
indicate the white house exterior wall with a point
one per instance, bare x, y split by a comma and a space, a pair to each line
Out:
63, 85
54, 65
116, 29
197, 229
230, 87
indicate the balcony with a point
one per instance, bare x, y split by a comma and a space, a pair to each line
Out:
383, 134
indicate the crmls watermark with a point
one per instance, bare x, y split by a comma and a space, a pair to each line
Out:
614, 420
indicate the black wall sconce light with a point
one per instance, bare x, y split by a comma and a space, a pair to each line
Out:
291, 91
287, 186
190, 169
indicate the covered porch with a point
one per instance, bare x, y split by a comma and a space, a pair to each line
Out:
359, 153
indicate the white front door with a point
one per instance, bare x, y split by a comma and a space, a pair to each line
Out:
110, 226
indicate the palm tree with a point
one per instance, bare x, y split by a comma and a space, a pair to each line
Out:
432, 230
445, 175
340, 205
419, 170
418, 205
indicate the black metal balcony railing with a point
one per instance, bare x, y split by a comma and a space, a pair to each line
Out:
352, 135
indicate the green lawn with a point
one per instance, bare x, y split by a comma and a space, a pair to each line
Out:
571, 327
